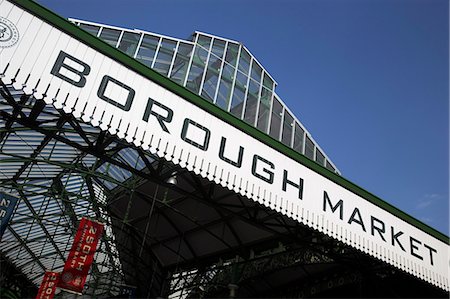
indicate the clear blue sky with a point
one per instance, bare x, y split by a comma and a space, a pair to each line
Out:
368, 78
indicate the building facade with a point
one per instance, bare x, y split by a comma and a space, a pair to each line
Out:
205, 182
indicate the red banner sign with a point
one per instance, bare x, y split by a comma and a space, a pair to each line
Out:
48, 285
81, 256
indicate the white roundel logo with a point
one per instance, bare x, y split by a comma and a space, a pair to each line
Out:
9, 35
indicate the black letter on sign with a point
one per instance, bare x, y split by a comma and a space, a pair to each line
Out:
299, 185
222, 149
81, 74
340, 205
270, 173
394, 237
358, 219
161, 119
205, 144
101, 93
431, 252
374, 228
414, 247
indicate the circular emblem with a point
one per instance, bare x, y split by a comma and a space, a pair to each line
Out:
67, 277
9, 35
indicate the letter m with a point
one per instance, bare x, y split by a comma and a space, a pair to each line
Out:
339, 204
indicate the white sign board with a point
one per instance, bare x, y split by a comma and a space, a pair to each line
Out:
42, 60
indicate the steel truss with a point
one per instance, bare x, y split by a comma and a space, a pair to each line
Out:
186, 239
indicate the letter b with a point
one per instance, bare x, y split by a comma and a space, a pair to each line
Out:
80, 75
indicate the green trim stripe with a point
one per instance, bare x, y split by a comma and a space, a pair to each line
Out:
92, 41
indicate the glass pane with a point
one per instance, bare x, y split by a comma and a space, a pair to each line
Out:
204, 41
244, 61
267, 82
212, 73
164, 57
195, 78
320, 158
330, 167
252, 101
92, 29
197, 67
210, 83
256, 72
241, 82
232, 52
181, 62
264, 108
298, 138
218, 48
309, 148
147, 50
288, 123
223, 96
128, 43
238, 96
228, 73
111, 36
215, 61
275, 122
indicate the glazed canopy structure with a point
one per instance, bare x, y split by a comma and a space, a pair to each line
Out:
207, 184
221, 71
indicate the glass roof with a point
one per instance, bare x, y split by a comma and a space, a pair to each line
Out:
57, 185
63, 169
221, 71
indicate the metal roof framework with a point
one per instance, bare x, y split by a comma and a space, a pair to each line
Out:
191, 238
63, 169
53, 181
